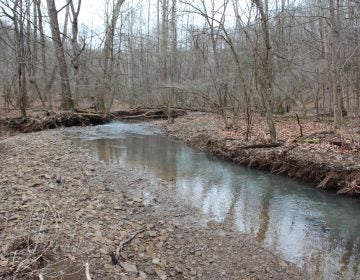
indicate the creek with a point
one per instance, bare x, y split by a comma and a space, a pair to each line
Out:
316, 230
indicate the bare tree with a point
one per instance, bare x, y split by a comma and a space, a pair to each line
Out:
104, 89
67, 102
76, 50
335, 61
17, 14
267, 67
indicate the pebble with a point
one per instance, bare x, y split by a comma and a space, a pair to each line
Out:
156, 261
152, 233
129, 267
142, 275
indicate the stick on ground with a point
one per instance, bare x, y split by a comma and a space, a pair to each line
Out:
87, 271
124, 242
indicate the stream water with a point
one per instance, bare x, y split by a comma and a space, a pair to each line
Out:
316, 230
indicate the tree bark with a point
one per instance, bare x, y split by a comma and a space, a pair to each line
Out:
66, 100
104, 88
76, 51
267, 68
334, 64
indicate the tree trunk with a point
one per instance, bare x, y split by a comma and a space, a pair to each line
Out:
19, 26
334, 64
164, 45
104, 88
75, 61
267, 68
66, 99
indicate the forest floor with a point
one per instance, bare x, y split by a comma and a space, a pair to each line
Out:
327, 158
62, 211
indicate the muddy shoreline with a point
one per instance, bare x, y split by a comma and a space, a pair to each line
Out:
336, 170
61, 209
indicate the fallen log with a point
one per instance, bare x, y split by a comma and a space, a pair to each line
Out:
257, 146
145, 114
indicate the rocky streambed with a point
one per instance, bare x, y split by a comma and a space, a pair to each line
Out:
64, 215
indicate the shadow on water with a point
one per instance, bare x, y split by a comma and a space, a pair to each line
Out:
316, 230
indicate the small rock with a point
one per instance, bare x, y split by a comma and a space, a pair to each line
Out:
142, 275
58, 179
159, 245
108, 267
156, 261
129, 267
4, 263
162, 274
103, 251
35, 183
283, 264
162, 238
149, 249
152, 233
149, 270
193, 272
98, 239
130, 202
178, 269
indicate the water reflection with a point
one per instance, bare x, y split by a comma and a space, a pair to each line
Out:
319, 231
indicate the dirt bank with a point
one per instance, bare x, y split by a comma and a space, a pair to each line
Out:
42, 120
61, 211
322, 156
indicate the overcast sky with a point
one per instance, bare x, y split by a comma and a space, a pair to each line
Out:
92, 11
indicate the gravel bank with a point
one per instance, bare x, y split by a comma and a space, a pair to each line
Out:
61, 210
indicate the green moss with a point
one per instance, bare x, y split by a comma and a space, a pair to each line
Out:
311, 141
69, 105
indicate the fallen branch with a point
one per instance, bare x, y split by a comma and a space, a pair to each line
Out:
122, 244
259, 146
143, 116
299, 124
87, 271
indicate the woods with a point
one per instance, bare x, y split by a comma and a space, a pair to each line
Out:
95, 183
235, 58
